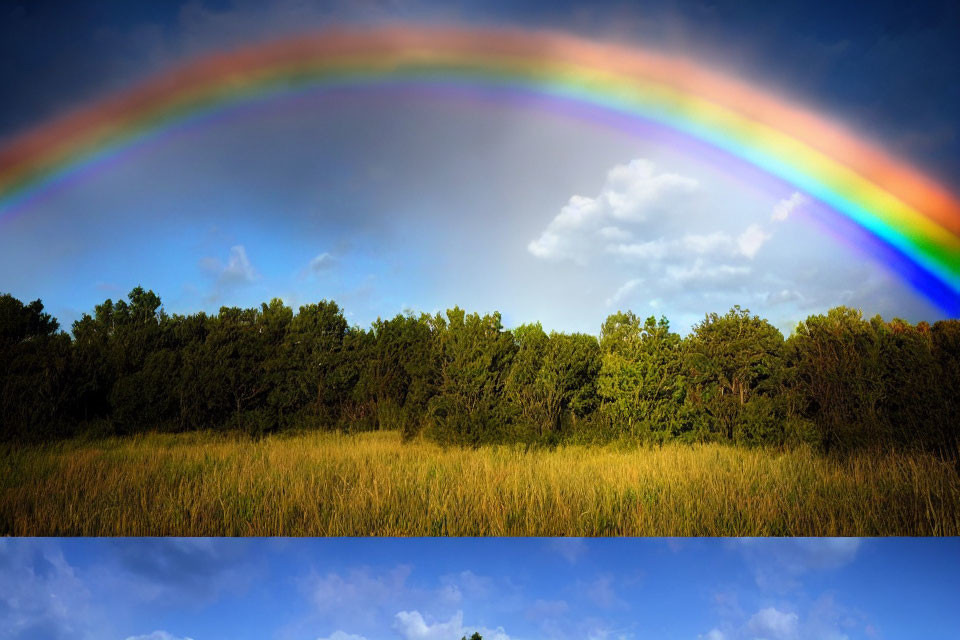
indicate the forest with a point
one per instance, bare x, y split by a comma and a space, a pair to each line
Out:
839, 382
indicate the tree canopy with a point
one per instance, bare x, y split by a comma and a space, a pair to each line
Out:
839, 381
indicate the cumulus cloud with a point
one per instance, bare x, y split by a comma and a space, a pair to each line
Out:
783, 209
633, 193
411, 625
641, 222
713, 634
161, 635
772, 624
750, 241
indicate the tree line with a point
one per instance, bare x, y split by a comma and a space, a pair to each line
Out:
839, 382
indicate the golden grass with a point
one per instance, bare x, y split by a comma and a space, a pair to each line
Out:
371, 484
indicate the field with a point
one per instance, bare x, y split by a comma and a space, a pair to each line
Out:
202, 484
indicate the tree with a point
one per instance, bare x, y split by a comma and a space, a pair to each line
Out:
475, 355
833, 363
640, 382
35, 372
552, 377
733, 363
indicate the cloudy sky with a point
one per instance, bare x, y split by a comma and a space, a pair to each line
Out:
508, 589
393, 202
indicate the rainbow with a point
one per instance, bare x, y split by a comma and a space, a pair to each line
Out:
878, 203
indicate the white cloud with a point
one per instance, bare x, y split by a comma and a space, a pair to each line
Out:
342, 635
700, 271
237, 270
752, 239
411, 625
633, 190
467, 583
823, 619
625, 289
633, 193
567, 234
772, 624
334, 592
779, 564
163, 635
783, 209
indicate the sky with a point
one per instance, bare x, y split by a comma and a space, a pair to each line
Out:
507, 589
387, 203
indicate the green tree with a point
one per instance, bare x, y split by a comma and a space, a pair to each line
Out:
475, 354
36, 391
640, 380
733, 364
834, 366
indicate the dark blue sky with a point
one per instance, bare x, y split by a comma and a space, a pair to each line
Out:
509, 589
386, 204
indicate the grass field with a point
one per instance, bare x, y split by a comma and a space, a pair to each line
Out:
372, 484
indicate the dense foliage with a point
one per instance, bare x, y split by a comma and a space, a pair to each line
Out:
840, 381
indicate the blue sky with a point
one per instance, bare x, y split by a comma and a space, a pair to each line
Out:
516, 589
387, 203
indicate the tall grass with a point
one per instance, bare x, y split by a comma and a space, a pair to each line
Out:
315, 483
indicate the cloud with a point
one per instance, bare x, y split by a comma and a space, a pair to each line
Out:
602, 593
625, 289
541, 609
358, 588
163, 635
412, 626
569, 548
467, 584
823, 620
322, 262
779, 564
772, 624
238, 268
783, 209
237, 271
342, 635
750, 241
633, 193
40, 594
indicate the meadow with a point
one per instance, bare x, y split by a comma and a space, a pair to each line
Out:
334, 484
